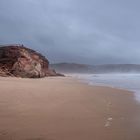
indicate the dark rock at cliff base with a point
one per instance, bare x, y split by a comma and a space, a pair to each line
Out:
19, 61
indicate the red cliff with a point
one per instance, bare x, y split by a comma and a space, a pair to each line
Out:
19, 61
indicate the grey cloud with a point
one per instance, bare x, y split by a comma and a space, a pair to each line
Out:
81, 31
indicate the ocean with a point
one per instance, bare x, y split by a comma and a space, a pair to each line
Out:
123, 81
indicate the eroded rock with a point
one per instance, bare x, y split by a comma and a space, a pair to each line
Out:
19, 61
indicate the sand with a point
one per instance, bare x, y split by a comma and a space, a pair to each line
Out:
65, 109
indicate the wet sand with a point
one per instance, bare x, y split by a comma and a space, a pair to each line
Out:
65, 109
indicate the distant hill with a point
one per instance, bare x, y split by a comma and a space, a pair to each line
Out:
106, 68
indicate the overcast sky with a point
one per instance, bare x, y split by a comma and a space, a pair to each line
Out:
81, 31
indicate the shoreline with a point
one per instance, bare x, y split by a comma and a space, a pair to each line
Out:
63, 108
133, 91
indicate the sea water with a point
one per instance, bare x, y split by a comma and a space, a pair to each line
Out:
122, 81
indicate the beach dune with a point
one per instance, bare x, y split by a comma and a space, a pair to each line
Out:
66, 109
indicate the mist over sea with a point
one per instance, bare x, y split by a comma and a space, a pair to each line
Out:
123, 81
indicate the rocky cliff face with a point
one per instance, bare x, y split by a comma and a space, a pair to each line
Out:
19, 61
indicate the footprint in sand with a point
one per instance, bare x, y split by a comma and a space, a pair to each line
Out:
108, 122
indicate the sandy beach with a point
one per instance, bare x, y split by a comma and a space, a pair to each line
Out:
66, 109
